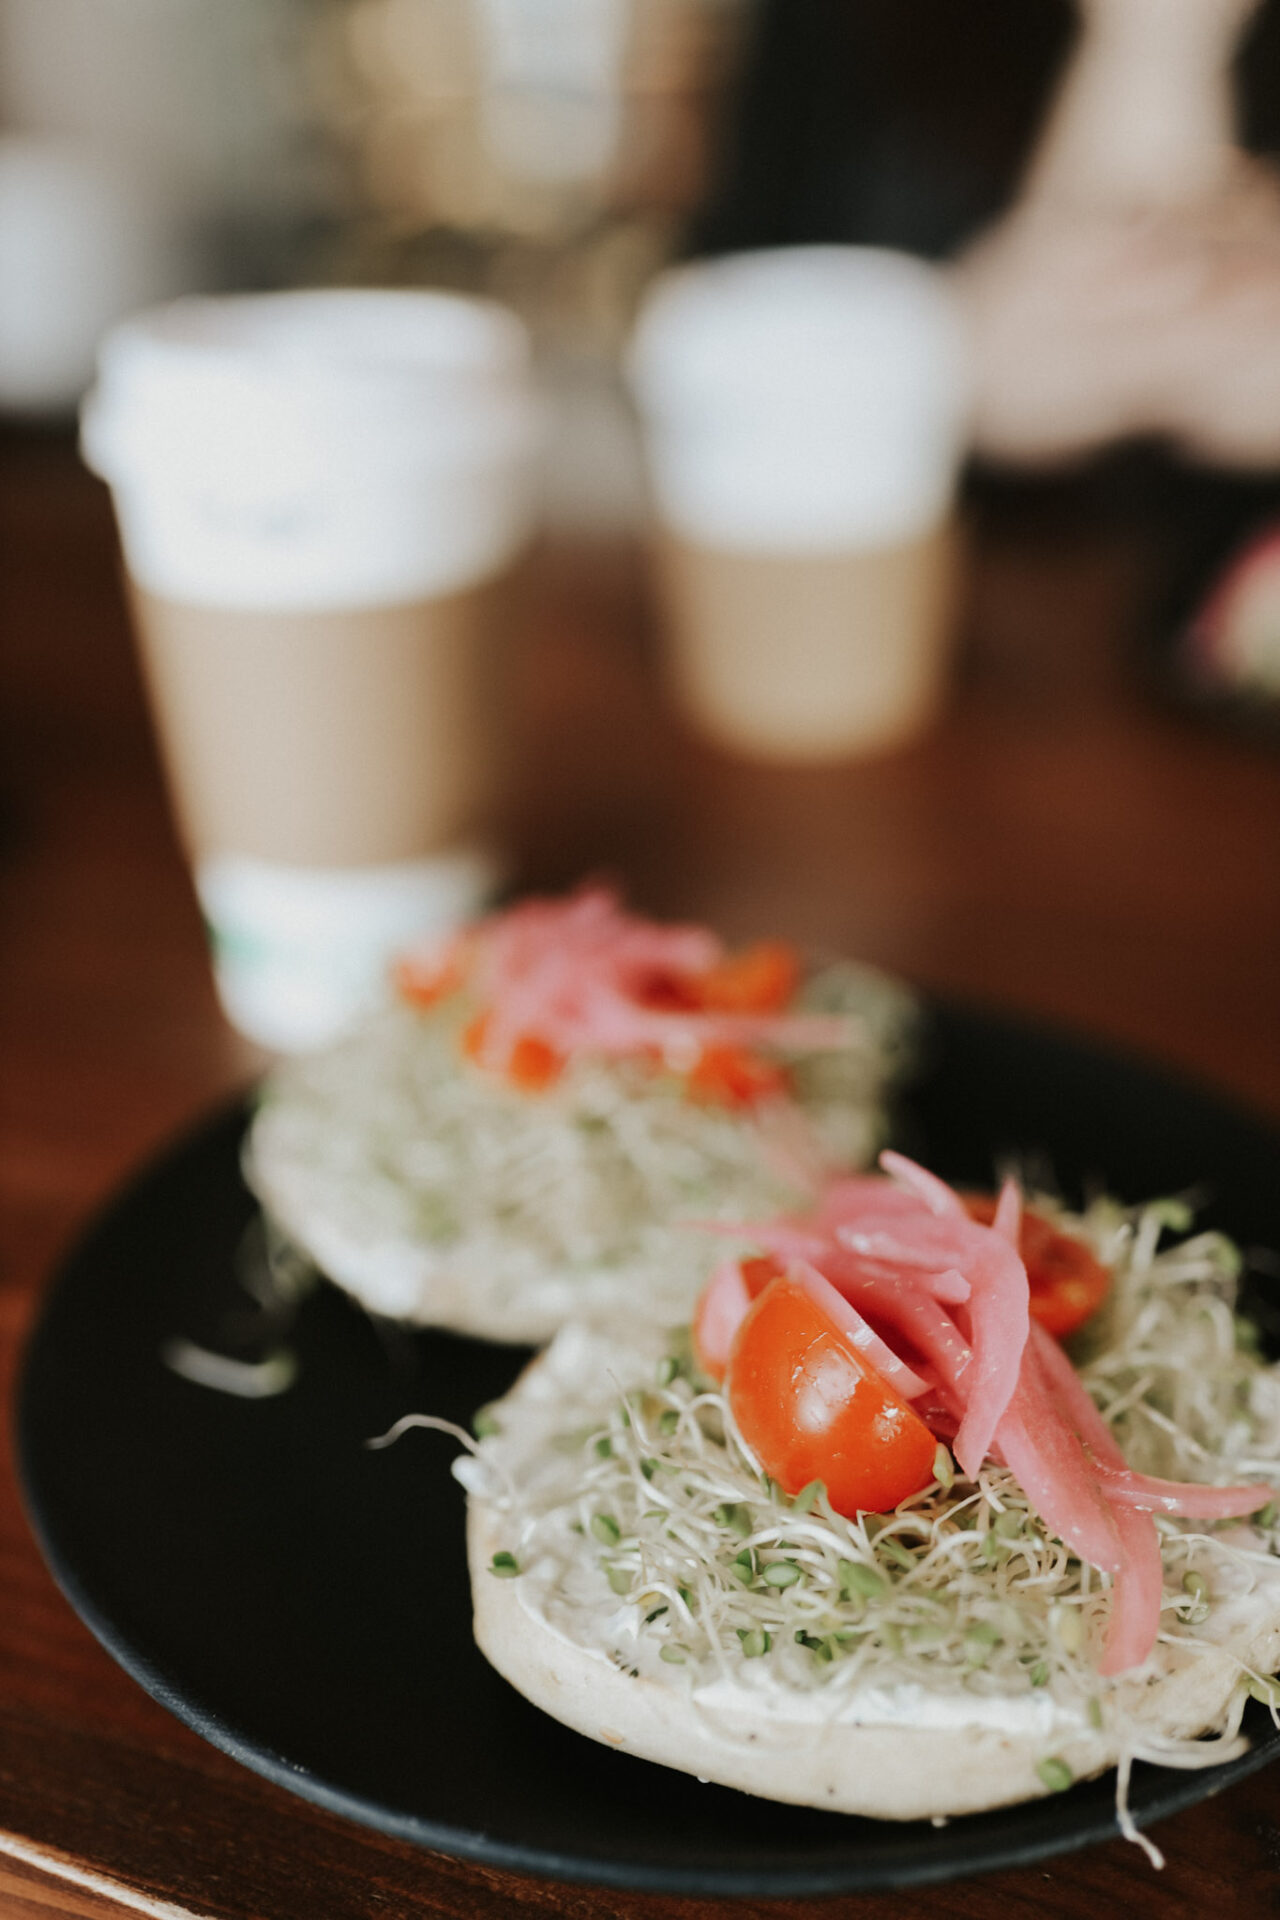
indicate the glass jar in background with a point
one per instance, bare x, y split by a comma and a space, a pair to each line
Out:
547, 153
150, 149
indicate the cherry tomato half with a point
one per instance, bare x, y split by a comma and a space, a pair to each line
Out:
760, 979
728, 1076
424, 979
1068, 1282
811, 1408
531, 1065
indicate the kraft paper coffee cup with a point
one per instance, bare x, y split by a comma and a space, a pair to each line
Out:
804, 413
321, 496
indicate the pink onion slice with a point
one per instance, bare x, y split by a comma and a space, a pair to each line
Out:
1188, 1499
876, 1352
1008, 1220
1076, 1401
1138, 1588
850, 1196
888, 1249
722, 1308
921, 1224
902, 1301
580, 974
1050, 1465
998, 1315
935, 1193
1137, 1594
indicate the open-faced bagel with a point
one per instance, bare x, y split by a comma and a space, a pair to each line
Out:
441, 1194
605, 1590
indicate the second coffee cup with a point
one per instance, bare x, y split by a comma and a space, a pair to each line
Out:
804, 415
321, 496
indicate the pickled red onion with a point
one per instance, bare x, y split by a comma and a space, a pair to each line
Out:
1187, 1499
582, 975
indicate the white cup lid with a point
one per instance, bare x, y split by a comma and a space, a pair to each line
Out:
858, 330
802, 398
380, 380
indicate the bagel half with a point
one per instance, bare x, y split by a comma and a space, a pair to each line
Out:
439, 1194
618, 1540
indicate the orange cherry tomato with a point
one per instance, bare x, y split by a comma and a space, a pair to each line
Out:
1068, 1283
423, 980
531, 1065
811, 1408
728, 1076
474, 1036
761, 979
758, 1271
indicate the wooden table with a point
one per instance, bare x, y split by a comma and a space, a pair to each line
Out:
1060, 846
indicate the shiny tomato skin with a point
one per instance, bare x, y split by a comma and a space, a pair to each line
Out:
811, 1408
760, 979
758, 1271
729, 1076
1068, 1282
424, 982
531, 1065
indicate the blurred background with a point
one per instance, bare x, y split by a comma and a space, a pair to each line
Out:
558, 155
552, 153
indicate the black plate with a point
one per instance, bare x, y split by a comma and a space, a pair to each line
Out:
303, 1603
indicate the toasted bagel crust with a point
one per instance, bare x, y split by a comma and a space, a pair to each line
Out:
887, 1772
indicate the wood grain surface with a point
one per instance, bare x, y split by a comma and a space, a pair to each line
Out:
1061, 846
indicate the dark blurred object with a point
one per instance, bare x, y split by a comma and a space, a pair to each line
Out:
540, 152
1216, 627
913, 127
531, 150
909, 126
149, 148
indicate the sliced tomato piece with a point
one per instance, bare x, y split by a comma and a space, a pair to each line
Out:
531, 1065
761, 979
811, 1407
723, 1305
728, 1076
474, 1036
1068, 1282
667, 992
424, 979
758, 1271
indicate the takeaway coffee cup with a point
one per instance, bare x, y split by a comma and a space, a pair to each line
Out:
321, 496
804, 414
